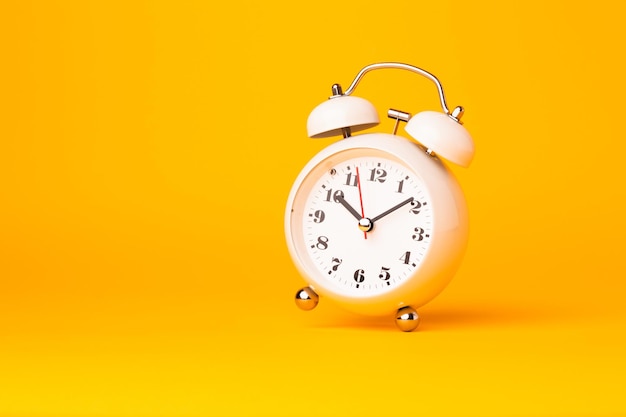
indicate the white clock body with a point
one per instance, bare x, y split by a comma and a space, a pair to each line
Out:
419, 217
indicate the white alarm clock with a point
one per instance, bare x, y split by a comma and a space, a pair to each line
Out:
377, 222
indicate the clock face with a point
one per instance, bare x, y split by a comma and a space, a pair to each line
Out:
362, 222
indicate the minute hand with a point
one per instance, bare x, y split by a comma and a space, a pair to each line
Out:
391, 210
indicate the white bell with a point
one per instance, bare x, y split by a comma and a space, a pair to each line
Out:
338, 113
443, 135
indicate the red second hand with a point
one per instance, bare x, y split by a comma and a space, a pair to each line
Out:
358, 183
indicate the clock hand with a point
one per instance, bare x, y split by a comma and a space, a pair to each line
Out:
391, 210
349, 207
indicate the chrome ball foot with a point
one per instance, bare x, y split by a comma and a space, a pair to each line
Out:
307, 299
407, 319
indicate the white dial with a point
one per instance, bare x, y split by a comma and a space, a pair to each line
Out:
366, 222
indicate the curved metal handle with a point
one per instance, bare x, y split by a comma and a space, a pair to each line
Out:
398, 65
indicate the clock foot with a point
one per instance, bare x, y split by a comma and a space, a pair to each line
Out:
407, 319
306, 299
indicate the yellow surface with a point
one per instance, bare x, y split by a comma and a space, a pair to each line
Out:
146, 154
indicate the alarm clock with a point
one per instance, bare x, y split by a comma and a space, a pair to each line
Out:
377, 222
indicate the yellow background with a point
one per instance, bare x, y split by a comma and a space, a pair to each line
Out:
146, 154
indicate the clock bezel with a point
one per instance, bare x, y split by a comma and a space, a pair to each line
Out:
449, 225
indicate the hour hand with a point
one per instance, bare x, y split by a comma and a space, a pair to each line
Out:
351, 209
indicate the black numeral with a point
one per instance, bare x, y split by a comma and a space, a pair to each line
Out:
322, 243
384, 273
378, 174
419, 234
405, 257
415, 207
359, 275
351, 179
319, 216
335, 265
330, 194
400, 185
